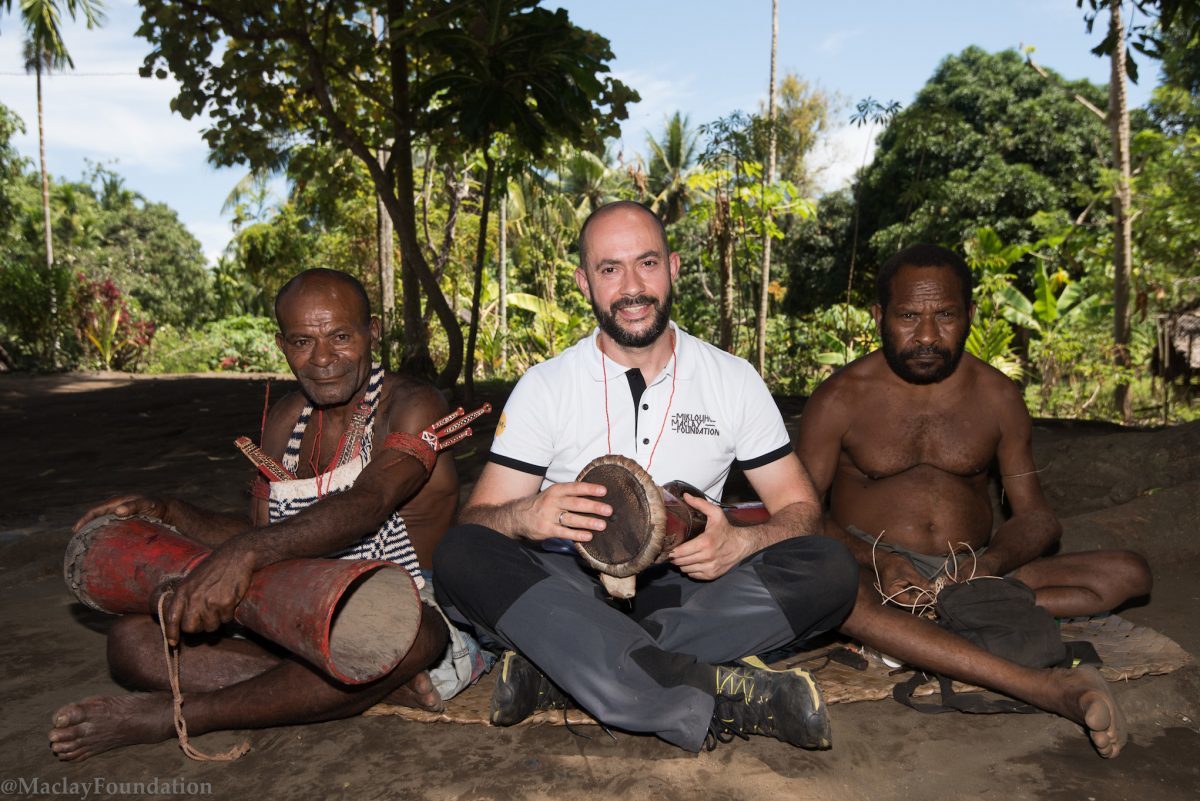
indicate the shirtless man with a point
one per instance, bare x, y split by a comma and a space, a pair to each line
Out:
905, 437
326, 334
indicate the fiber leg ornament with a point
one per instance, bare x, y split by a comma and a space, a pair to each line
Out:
443, 434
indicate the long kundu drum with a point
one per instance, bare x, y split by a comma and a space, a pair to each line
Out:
647, 522
353, 619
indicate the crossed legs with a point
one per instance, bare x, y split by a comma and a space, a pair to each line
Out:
1080, 695
1086, 583
227, 684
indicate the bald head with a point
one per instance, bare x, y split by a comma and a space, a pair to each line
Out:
326, 283
608, 209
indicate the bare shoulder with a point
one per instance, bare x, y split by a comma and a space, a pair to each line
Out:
850, 384
280, 420
994, 386
997, 392
410, 403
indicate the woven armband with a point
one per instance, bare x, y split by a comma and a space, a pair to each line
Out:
414, 446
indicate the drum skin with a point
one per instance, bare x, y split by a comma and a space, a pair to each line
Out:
648, 521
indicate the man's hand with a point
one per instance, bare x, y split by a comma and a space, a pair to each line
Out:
206, 598
124, 506
563, 510
899, 581
711, 554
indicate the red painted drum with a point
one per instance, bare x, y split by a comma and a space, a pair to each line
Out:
647, 522
353, 619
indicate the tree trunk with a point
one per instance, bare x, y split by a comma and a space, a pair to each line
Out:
401, 207
54, 343
1118, 121
476, 292
724, 237
764, 297
385, 246
503, 277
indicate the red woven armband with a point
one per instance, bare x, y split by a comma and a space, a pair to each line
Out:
414, 446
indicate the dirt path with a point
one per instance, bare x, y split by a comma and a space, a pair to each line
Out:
71, 440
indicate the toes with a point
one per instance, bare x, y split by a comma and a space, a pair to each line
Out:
69, 715
65, 734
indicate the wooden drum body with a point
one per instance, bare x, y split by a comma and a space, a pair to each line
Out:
647, 522
353, 619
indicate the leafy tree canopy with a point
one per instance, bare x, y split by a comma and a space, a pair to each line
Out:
262, 70
986, 142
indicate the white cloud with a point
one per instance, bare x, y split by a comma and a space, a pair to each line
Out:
839, 154
102, 108
214, 235
660, 99
834, 42
117, 125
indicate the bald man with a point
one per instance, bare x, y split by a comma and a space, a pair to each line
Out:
383, 502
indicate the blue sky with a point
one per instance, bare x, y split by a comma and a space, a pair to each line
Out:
706, 58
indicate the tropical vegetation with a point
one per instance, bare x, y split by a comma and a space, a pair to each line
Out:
446, 154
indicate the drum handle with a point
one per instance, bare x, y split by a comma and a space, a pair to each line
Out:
746, 514
738, 514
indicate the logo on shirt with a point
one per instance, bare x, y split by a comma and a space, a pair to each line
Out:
500, 425
688, 423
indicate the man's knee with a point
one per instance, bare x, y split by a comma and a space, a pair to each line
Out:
814, 580
455, 551
1130, 572
481, 572
130, 640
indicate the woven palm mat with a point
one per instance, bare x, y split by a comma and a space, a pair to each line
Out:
1128, 652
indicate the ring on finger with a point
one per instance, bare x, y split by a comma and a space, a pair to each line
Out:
560, 517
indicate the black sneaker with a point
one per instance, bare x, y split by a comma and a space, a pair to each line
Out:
754, 699
521, 690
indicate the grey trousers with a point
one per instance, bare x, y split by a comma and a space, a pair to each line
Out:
644, 669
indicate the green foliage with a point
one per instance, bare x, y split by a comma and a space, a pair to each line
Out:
516, 68
986, 143
43, 28
238, 344
991, 341
454, 75
26, 323
118, 335
805, 350
11, 164
144, 249
673, 160
549, 329
802, 117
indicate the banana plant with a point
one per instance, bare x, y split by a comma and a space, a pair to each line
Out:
1045, 311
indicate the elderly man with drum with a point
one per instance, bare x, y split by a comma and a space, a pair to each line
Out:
677, 409
346, 470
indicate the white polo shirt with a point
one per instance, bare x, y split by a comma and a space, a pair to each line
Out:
721, 412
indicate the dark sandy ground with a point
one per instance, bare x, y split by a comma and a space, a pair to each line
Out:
71, 440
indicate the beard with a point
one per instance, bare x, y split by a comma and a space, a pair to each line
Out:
900, 363
632, 339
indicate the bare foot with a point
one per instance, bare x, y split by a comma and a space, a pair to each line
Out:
1090, 703
418, 693
95, 725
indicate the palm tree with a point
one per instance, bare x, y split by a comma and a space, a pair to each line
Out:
672, 160
588, 177
45, 52
764, 296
